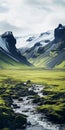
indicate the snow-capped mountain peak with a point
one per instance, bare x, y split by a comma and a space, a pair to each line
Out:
31, 40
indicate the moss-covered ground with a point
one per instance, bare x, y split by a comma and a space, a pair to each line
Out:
54, 91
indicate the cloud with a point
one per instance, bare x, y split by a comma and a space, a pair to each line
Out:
32, 16
3, 9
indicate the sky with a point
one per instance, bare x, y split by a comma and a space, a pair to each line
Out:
31, 16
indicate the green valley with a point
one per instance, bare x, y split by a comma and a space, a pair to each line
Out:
54, 90
22, 73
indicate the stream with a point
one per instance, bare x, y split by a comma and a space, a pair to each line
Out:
36, 121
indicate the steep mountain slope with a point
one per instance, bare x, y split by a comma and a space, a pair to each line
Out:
50, 55
8, 62
9, 55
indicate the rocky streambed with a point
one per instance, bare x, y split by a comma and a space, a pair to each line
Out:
27, 105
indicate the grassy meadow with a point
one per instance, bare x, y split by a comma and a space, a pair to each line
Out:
54, 91
39, 76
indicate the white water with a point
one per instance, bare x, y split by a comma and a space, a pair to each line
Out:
38, 121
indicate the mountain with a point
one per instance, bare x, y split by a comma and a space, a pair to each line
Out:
42, 50
47, 50
9, 54
29, 41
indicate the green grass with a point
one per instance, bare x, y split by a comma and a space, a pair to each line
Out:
2, 102
62, 65
53, 80
8, 119
50, 77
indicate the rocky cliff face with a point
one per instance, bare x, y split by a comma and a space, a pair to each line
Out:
59, 33
10, 41
8, 46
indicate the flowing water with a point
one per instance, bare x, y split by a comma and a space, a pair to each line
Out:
37, 120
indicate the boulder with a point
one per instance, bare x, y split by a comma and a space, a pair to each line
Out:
20, 99
16, 106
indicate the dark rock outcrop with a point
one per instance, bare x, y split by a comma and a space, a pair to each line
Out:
30, 39
41, 50
59, 33
37, 44
10, 43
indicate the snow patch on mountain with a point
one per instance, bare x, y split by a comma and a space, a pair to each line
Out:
31, 40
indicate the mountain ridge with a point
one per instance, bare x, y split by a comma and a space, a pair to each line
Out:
45, 50
50, 55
